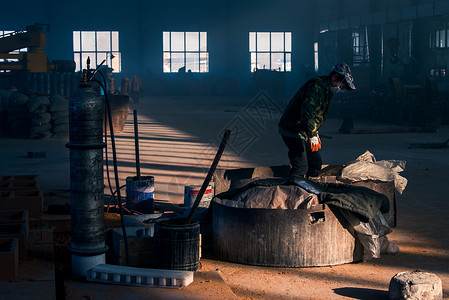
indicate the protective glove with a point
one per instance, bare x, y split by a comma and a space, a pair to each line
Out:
315, 143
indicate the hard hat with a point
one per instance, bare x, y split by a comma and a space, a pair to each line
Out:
343, 69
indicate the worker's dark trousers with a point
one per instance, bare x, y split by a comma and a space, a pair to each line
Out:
303, 161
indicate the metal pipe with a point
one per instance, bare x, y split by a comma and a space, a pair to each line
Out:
136, 140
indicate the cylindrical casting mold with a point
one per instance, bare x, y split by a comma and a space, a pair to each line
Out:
86, 180
283, 237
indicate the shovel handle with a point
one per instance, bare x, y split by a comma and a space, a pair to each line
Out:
209, 175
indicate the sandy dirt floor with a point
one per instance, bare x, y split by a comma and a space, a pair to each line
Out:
178, 140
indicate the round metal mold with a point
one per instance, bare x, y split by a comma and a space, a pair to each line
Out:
311, 237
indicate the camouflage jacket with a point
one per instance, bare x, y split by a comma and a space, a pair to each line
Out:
308, 109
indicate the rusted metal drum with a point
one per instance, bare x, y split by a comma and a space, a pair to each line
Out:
120, 111
283, 238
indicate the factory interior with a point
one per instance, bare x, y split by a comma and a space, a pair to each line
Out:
144, 152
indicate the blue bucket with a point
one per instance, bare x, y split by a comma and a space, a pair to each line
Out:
139, 192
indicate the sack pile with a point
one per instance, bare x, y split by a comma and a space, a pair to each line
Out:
59, 109
17, 120
38, 108
4, 99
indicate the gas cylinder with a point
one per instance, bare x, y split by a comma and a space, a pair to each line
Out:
86, 179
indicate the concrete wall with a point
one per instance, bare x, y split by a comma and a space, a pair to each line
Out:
141, 23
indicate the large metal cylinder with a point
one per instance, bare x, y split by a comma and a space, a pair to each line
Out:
86, 180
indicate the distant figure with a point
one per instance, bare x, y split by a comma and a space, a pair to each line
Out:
124, 86
135, 88
304, 115
182, 69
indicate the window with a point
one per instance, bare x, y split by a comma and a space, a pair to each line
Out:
99, 46
6, 33
439, 39
185, 52
271, 50
360, 48
356, 42
315, 56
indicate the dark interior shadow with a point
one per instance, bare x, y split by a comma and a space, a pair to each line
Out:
362, 293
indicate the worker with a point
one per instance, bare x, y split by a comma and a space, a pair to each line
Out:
304, 115
135, 88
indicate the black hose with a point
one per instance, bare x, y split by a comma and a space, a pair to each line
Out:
114, 157
106, 143
112, 193
106, 152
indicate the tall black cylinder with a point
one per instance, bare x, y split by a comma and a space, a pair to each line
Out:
86, 180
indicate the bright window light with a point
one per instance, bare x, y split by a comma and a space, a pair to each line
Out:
360, 47
98, 46
270, 50
185, 52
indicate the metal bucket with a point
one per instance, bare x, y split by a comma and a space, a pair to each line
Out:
190, 194
177, 244
192, 191
140, 193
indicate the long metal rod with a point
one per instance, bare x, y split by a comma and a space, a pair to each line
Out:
136, 140
209, 176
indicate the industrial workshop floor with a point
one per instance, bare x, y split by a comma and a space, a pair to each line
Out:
178, 140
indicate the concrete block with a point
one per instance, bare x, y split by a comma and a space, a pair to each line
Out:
15, 217
31, 200
57, 201
19, 178
139, 276
9, 258
19, 184
140, 220
15, 231
140, 245
416, 285
59, 223
40, 243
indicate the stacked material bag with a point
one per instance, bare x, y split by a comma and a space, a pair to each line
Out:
59, 109
17, 120
38, 108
